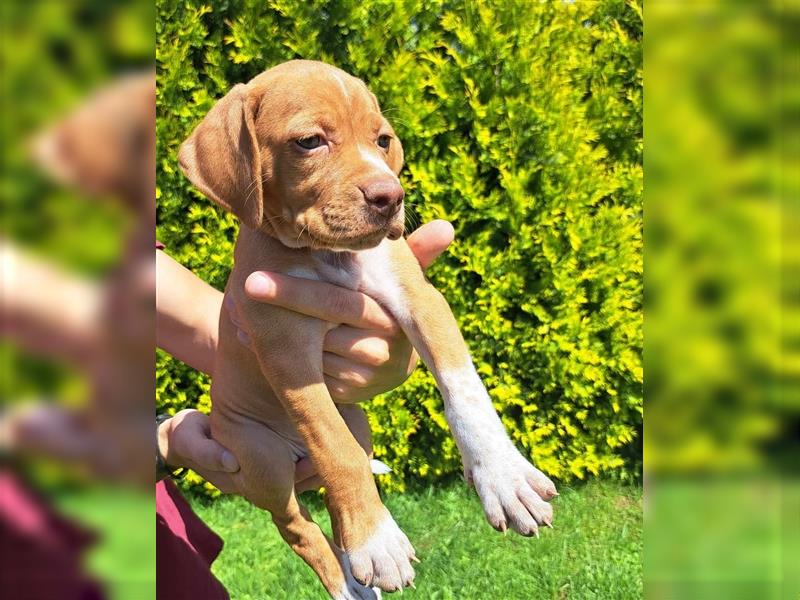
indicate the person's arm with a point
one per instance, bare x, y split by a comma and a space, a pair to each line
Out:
187, 312
187, 325
46, 309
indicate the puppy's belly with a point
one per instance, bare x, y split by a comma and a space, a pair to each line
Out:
241, 394
228, 419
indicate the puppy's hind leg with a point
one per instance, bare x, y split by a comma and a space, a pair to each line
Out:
266, 479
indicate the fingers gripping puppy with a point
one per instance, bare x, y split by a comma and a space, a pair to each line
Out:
305, 159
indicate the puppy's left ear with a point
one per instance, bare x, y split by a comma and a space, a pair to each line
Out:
223, 160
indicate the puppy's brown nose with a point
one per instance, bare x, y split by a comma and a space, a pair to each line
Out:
383, 196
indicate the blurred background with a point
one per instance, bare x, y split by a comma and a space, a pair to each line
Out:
722, 508
721, 362
76, 412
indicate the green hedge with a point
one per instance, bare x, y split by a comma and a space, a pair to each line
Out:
522, 125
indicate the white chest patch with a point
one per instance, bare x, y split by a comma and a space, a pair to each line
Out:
369, 271
379, 280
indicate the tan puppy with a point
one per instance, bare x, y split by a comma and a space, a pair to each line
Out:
303, 156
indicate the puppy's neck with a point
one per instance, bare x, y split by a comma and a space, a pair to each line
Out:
266, 238
261, 243
339, 259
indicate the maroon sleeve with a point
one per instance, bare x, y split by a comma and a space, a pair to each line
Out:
43, 552
185, 549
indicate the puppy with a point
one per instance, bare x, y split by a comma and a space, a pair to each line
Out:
305, 159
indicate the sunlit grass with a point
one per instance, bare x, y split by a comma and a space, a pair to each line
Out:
594, 551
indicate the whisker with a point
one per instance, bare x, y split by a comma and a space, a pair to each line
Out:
412, 217
249, 192
301, 233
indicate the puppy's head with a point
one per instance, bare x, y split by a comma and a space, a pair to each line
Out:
303, 153
107, 145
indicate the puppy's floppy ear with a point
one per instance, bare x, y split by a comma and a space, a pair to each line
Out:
223, 160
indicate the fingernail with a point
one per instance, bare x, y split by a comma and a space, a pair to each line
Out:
229, 462
259, 284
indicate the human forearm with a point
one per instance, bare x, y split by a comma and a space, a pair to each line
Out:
187, 311
46, 309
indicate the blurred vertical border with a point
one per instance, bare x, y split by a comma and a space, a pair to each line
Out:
54, 55
722, 334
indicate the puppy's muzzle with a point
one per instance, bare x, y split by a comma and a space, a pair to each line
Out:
384, 197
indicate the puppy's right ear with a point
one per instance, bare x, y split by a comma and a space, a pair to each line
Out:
223, 160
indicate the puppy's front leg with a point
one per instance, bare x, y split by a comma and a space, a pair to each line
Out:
512, 491
289, 351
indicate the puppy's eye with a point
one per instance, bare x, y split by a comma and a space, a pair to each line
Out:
384, 141
310, 143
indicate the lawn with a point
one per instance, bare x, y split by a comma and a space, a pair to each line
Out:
123, 556
594, 551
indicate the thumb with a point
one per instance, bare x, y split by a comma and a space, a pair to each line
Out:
430, 240
208, 455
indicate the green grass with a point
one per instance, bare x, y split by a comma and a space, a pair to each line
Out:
724, 537
123, 558
593, 552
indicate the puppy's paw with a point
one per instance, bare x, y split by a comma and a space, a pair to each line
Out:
352, 590
513, 492
384, 559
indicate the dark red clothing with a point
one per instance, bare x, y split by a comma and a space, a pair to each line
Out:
185, 549
42, 553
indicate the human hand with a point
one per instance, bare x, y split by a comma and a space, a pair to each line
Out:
185, 441
367, 354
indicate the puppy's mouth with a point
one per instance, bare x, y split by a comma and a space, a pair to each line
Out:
360, 240
336, 230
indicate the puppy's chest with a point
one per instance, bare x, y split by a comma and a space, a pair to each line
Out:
368, 271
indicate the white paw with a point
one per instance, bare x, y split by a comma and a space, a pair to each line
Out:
384, 560
512, 491
352, 590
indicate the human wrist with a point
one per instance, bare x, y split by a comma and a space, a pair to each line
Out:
162, 438
165, 460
